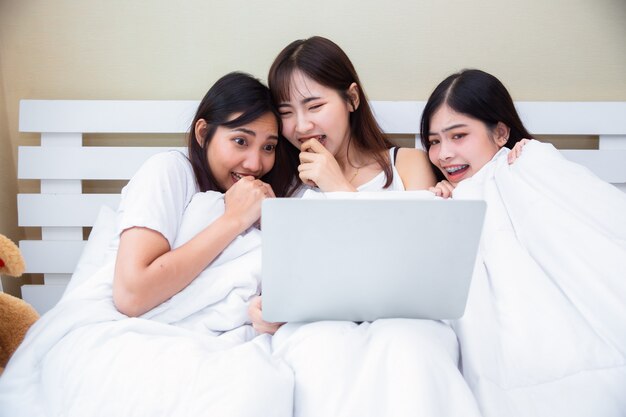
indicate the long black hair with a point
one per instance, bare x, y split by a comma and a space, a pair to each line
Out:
479, 95
234, 93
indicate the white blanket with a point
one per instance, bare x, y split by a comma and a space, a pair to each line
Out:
192, 356
544, 332
392, 367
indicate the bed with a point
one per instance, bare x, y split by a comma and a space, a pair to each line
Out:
391, 362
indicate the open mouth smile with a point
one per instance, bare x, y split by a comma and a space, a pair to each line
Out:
456, 171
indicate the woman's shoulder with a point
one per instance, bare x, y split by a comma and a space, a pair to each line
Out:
170, 163
414, 169
169, 170
410, 152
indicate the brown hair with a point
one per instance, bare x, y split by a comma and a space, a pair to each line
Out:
327, 64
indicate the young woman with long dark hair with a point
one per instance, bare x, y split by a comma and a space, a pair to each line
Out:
234, 148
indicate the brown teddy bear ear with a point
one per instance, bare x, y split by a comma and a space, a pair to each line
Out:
11, 260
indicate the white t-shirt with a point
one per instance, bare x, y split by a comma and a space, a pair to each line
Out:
157, 195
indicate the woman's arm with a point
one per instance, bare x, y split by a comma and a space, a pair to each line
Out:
148, 272
415, 169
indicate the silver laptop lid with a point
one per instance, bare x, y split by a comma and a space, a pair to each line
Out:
361, 260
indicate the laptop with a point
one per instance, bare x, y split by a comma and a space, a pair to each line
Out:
361, 260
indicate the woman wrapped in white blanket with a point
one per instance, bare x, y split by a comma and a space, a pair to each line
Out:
388, 367
544, 332
163, 331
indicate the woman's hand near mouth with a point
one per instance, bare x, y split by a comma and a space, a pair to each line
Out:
318, 167
243, 201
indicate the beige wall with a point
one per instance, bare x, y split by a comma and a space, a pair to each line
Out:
163, 49
8, 185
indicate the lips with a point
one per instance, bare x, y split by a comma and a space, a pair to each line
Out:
455, 172
237, 176
320, 138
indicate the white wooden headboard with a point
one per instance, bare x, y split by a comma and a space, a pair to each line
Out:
61, 209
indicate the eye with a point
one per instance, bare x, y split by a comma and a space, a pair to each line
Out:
240, 141
284, 113
270, 148
459, 135
433, 142
316, 106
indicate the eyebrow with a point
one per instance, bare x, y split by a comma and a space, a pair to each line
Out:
309, 99
251, 132
244, 130
303, 101
448, 128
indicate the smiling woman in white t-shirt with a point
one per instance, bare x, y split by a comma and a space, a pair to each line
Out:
234, 148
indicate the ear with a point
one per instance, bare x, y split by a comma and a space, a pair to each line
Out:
353, 95
200, 131
501, 134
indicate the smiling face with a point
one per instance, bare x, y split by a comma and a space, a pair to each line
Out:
460, 145
236, 152
315, 111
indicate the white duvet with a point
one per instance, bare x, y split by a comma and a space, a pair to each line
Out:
544, 332
192, 356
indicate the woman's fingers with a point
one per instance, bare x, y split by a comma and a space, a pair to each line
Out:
269, 192
255, 311
442, 189
243, 200
435, 190
314, 146
516, 152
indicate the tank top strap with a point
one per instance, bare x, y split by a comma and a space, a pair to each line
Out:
393, 154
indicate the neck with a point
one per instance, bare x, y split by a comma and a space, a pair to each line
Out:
349, 157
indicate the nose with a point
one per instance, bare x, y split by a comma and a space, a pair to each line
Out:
445, 151
252, 163
303, 124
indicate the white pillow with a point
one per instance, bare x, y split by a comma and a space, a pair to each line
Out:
96, 251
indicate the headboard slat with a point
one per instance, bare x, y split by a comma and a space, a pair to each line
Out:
540, 118
107, 116
62, 210
609, 165
91, 163
51, 256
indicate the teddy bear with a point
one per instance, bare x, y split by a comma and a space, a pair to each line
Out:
16, 315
